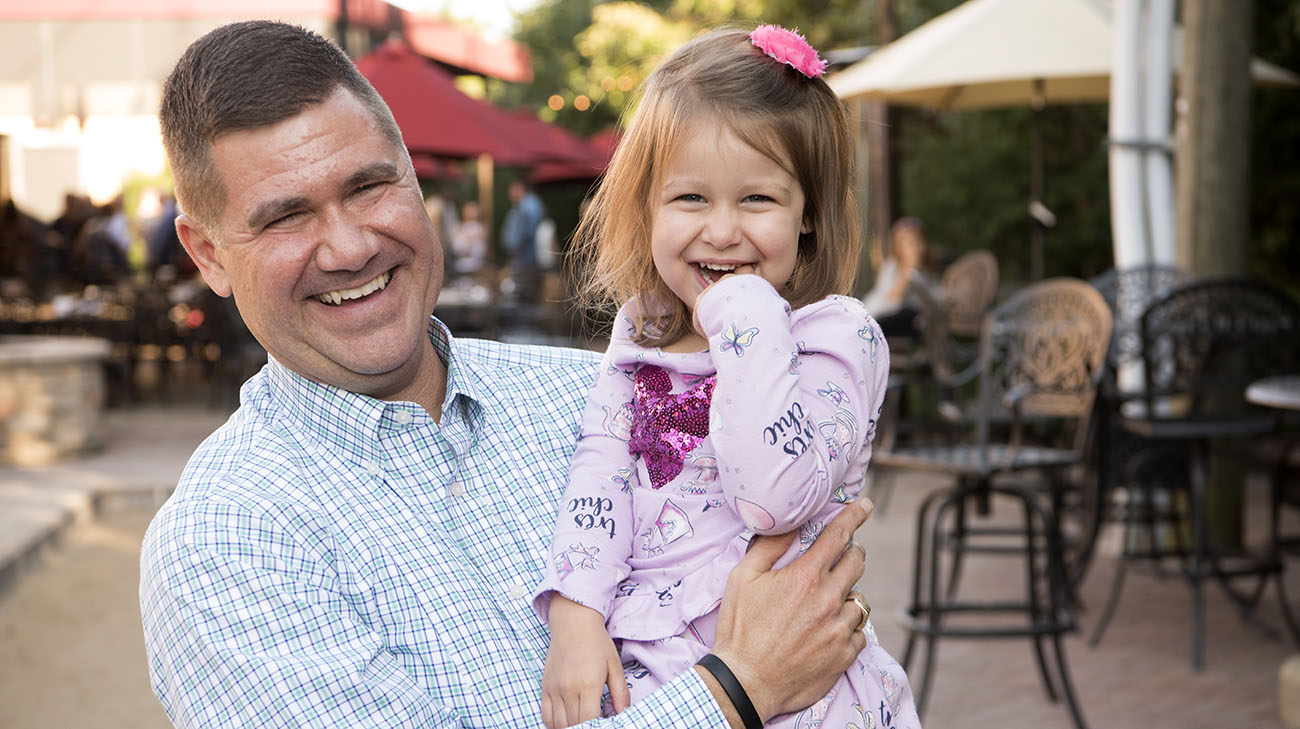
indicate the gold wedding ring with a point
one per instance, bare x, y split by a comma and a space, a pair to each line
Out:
860, 600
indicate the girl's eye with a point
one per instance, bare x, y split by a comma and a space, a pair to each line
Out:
690, 197
758, 198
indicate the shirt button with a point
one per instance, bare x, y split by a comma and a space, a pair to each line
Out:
517, 592
373, 468
402, 417
456, 488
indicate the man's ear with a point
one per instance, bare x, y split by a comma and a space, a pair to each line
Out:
203, 251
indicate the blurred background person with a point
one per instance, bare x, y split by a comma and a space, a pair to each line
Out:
440, 206
166, 258
21, 239
890, 299
469, 243
99, 250
519, 239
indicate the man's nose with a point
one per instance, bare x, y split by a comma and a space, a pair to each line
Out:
345, 244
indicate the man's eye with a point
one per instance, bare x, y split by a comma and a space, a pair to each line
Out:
284, 220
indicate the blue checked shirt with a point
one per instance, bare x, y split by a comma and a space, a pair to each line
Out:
333, 560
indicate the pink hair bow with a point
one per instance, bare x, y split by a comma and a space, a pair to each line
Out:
787, 46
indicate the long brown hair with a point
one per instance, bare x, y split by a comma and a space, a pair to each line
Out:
797, 121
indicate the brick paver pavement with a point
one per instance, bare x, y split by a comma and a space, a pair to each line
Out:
1139, 676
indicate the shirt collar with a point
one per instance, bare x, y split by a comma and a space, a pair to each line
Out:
355, 422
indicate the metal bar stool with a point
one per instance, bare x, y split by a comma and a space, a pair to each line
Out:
1041, 356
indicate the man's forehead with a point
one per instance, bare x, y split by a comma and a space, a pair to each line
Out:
339, 131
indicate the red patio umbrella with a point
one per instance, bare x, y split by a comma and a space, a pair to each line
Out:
599, 150
549, 143
435, 117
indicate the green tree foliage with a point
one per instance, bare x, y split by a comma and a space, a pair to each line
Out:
603, 50
966, 174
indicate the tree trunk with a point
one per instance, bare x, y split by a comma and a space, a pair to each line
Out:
1213, 187
1213, 163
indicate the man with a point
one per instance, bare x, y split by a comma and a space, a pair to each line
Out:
355, 547
519, 238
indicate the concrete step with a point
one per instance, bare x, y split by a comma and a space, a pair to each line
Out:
32, 518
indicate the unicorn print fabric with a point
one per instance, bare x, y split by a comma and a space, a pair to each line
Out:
685, 456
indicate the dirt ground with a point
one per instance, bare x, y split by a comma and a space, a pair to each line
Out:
71, 648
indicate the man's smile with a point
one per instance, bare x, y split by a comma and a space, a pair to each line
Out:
336, 298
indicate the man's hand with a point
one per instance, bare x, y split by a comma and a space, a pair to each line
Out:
788, 634
580, 662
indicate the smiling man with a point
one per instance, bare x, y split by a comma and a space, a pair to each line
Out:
356, 546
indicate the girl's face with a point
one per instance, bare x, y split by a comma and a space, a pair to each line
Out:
723, 207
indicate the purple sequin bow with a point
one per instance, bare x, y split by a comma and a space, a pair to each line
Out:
666, 427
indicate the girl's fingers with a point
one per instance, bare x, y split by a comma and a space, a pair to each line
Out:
619, 695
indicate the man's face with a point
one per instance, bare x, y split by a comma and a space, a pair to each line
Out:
326, 246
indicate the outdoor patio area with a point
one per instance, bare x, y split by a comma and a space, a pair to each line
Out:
71, 653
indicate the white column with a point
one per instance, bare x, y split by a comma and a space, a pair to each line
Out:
1128, 228
1156, 129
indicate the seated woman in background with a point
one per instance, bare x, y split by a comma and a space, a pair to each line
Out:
890, 300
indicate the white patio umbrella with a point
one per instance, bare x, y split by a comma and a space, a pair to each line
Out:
996, 53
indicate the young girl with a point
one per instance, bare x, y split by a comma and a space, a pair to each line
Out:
739, 391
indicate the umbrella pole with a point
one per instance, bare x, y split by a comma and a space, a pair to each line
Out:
483, 168
1036, 236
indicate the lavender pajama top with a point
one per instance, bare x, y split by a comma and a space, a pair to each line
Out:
684, 456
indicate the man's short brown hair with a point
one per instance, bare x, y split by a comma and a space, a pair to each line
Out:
244, 76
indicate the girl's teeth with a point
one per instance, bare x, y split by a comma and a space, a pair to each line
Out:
713, 271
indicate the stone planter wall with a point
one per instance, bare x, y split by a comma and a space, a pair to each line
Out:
52, 395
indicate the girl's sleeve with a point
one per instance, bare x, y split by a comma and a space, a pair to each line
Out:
592, 542
796, 400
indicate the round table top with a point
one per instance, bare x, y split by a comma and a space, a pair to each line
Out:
1281, 391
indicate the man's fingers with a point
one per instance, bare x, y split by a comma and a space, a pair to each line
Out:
838, 534
548, 715
851, 564
764, 552
589, 707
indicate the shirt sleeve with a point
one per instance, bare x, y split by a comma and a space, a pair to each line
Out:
244, 627
592, 542
796, 400
683, 701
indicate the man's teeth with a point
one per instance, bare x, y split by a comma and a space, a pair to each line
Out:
338, 297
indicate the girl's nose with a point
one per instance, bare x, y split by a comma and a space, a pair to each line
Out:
722, 228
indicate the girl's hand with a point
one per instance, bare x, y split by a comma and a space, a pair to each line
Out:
581, 661
695, 305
